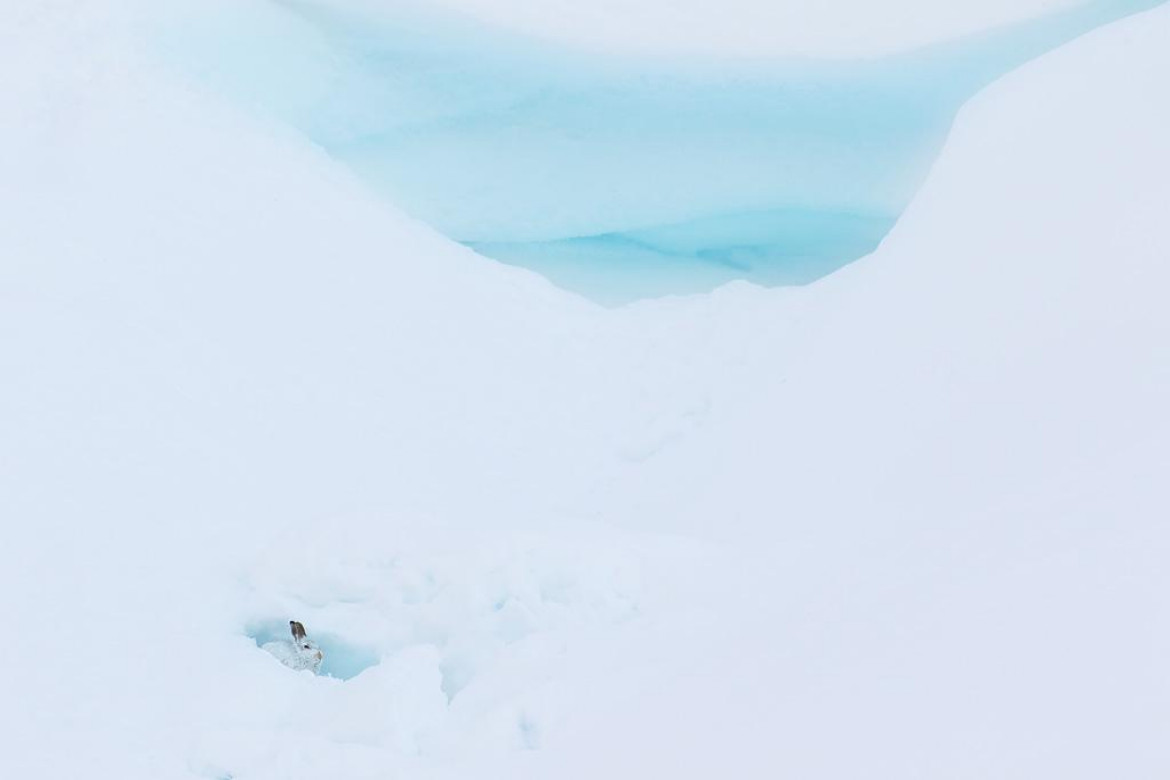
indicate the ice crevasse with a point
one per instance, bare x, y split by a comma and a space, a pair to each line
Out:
622, 176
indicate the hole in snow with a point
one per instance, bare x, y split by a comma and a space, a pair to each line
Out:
343, 659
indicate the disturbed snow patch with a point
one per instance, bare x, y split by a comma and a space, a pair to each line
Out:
436, 641
453, 643
469, 598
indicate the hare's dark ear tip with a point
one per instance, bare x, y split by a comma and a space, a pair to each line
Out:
298, 630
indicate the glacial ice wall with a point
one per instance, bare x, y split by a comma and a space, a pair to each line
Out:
617, 177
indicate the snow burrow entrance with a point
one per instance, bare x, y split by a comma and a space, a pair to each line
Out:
344, 660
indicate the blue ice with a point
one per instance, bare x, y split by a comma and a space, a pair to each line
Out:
616, 177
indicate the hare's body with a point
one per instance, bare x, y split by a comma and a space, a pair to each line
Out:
300, 653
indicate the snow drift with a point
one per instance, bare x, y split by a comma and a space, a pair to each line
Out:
907, 521
619, 178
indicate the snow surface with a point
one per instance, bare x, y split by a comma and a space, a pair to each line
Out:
748, 28
909, 521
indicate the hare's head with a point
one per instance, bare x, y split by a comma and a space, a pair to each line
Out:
305, 647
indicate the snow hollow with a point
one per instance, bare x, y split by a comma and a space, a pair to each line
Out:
616, 177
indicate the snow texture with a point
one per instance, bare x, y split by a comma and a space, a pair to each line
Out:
907, 521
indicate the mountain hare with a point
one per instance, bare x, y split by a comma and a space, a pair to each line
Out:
301, 653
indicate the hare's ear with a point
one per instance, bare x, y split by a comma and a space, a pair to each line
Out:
298, 631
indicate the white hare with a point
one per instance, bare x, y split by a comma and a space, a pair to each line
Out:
301, 653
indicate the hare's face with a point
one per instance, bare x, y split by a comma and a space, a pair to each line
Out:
308, 649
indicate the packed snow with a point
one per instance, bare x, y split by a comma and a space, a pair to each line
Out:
906, 521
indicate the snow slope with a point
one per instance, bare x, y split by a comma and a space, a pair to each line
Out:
906, 522
745, 28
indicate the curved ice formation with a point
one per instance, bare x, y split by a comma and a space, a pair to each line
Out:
619, 178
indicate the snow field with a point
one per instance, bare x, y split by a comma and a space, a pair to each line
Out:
909, 521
